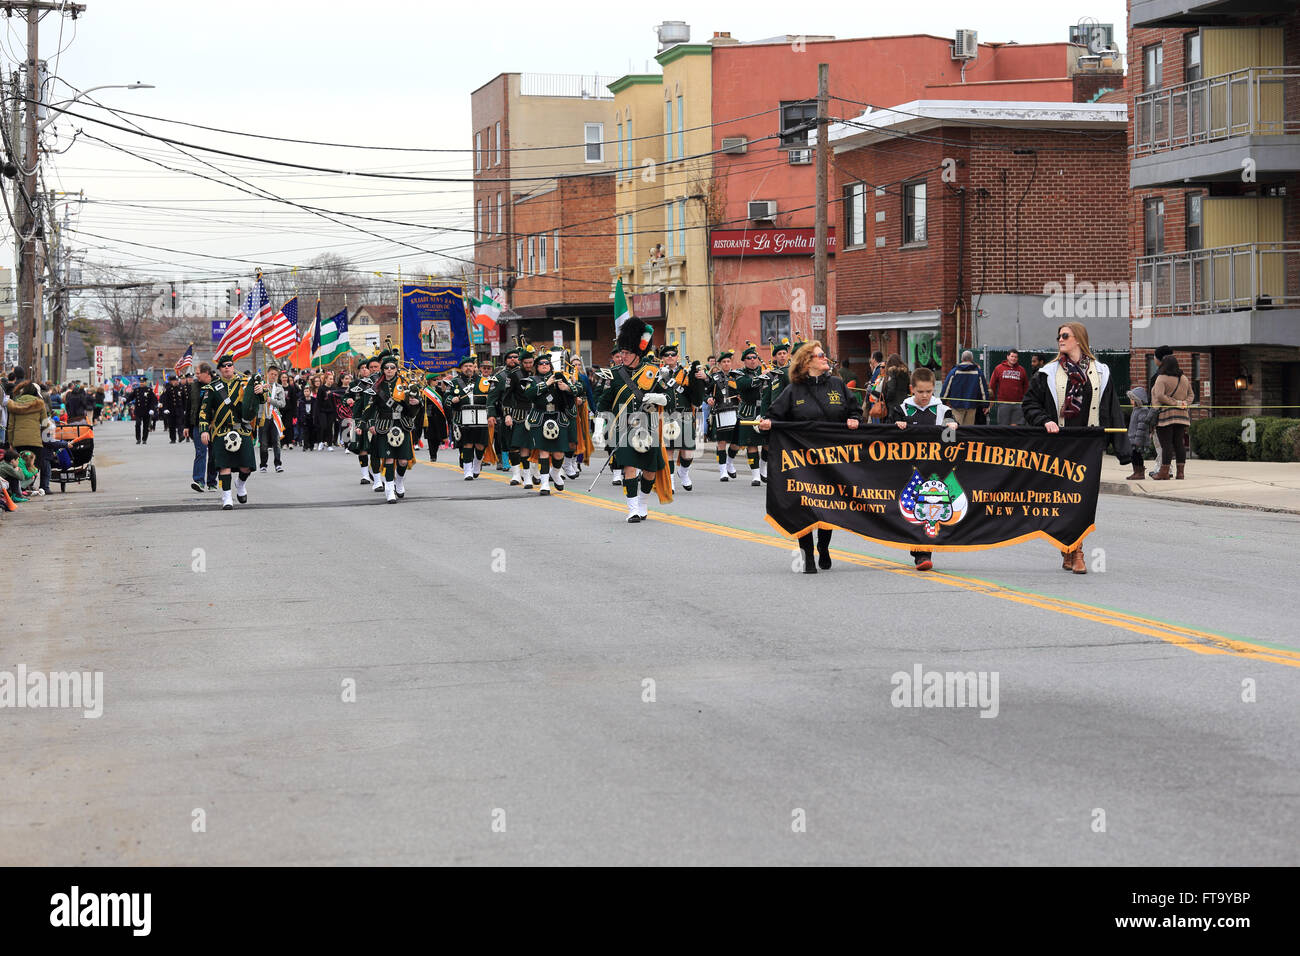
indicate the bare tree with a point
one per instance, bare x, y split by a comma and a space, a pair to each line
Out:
127, 305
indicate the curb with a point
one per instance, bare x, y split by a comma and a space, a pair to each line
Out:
1118, 488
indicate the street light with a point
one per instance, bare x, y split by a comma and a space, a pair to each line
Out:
106, 86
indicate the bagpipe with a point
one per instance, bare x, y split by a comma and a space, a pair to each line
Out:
244, 398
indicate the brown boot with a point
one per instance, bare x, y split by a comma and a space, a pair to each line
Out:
1078, 567
1180, 474
1137, 475
1067, 560
1162, 474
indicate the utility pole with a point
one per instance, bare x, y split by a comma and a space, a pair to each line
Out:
823, 169
31, 338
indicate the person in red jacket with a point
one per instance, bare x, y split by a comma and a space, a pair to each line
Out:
1008, 384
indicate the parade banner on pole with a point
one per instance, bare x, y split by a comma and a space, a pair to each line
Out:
433, 332
928, 488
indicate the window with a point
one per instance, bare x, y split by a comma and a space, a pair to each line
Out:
622, 241
519, 256
501, 214
773, 326
914, 212
501, 278
487, 154
555, 254
795, 114
478, 151
630, 161
1193, 237
1192, 58
498, 142
1153, 66
620, 150
478, 217
668, 231
1196, 366
631, 238
855, 221
594, 137
668, 129
681, 128
1153, 226
532, 255
681, 227
541, 253
487, 218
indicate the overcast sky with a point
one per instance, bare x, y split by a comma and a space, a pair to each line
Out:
396, 74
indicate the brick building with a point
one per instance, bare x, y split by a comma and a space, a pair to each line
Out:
980, 225
1215, 202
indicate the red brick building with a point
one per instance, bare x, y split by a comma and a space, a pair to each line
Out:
980, 225
1215, 204
564, 245
770, 87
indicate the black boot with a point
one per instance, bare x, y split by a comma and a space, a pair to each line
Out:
806, 545
823, 548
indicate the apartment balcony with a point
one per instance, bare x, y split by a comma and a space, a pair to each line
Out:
627, 273
1190, 13
665, 275
1215, 128
1247, 294
586, 86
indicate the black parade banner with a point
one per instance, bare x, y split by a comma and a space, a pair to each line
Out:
931, 488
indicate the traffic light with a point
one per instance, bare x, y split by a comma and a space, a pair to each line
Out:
172, 285
233, 294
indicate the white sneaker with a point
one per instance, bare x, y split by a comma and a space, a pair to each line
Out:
329, 447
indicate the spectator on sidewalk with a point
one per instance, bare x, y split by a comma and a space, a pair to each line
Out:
1159, 355
26, 413
1008, 385
1141, 421
205, 466
965, 390
77, 403
1171, 396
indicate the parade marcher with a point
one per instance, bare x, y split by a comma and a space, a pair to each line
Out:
268, 434
774, 383
636, 401
921, 408
205, 465
226, 420
360, 392
813, 395
469, 397
497, 394
172, 403
1075, 391
323, 410
514, 407
551, 403
724, 406
435, 418
579, 433
394, 407
143, 403
686, 389
749, 386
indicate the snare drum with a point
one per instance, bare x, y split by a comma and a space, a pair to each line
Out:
474, 416
726, 417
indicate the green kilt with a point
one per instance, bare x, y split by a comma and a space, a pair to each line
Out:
686, 440
747, 435
520, 435
381, 449
538, 439
241, 460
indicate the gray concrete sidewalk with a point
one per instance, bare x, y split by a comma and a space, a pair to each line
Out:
1262, 485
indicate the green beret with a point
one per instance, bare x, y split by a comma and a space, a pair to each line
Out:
725, 355
750, 351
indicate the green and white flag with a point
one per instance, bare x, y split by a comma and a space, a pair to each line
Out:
331, 339
621, 312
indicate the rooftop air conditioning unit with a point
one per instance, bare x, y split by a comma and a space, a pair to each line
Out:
966, 45
762, 209
735, 145
801, 157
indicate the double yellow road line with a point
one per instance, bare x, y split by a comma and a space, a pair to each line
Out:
1202, 642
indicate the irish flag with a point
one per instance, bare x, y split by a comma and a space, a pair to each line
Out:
486, 311
621, 312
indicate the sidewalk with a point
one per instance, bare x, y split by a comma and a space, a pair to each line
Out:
1261, 485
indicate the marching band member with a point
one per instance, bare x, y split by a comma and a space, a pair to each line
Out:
778, 379
637, 399
551, 402
363, 395
470, 398
515, 405
749, 386
394, 407
230, 407
686, 390
579, 441
498, 395
725, 399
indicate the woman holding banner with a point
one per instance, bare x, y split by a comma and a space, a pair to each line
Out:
814, 395
1075, 391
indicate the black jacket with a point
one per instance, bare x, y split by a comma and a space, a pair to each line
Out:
76, 404
143, 401
823, 399
1039, 405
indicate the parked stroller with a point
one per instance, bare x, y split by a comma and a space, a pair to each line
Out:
71, 455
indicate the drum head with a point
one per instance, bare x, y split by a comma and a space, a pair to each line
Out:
726, 418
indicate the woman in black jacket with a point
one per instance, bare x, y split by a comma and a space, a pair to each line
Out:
1064, 394
325, 413
814, 395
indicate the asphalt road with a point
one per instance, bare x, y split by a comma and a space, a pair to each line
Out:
500, 643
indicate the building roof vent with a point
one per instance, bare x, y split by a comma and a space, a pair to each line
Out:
672, 32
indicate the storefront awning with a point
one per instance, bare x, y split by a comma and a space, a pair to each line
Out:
888, 320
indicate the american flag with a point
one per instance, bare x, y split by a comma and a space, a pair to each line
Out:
186, 361
907, 500
280, 333
243, 328
258, 309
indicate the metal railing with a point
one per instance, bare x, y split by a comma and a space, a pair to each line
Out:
1258, 101
587, 86
1251, 275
